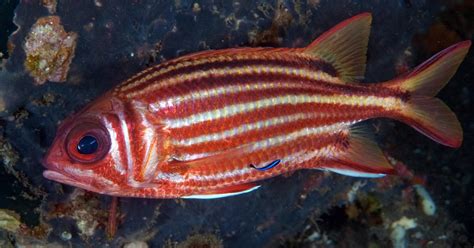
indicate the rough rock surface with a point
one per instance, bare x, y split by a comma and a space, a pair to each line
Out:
116, 39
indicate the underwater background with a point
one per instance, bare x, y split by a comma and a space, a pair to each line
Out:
116, 39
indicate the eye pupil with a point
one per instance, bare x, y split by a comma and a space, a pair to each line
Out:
87, 145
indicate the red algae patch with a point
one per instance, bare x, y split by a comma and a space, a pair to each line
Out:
49, 50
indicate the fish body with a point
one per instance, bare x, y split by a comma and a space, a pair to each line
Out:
201, 126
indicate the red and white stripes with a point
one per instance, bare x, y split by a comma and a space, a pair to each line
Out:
276, 105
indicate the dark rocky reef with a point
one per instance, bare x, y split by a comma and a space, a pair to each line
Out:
116, 39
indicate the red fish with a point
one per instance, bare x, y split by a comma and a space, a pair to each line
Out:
215, 123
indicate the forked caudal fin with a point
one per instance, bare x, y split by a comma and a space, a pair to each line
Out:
424, 112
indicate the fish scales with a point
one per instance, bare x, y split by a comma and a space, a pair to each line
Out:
316, 147
202, 62
251, 105
200, 126
151, 82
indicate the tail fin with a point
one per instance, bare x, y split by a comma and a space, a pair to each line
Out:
424, 112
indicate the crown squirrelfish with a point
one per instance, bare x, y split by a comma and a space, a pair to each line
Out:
215, 123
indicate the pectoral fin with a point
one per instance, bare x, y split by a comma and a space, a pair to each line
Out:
196, 166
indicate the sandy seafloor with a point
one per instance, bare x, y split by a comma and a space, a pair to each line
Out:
306, 209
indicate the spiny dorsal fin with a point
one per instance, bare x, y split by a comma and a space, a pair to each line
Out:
345, 47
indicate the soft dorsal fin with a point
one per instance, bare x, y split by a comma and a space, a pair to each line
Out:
345, 47
363, 158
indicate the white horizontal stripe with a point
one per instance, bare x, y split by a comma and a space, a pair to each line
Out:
231, 110
287, 161
189, 157
242, 70
286, 119
167, 66
305, 156
192, 60
223, 90
220, 175
171, 177
284, 138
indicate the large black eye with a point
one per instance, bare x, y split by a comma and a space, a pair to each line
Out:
87, 145
88, 142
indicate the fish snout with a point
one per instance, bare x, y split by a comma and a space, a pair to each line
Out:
52, 158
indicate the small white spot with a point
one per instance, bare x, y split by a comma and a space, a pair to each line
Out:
427, 203
399, 228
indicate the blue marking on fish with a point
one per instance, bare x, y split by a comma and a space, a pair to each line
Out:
268, 166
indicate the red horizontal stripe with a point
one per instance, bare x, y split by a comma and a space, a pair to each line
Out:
302, 144
268, 60
342, 112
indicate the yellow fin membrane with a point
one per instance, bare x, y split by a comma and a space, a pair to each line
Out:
423, 111
345, 47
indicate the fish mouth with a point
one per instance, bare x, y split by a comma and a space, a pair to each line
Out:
66, 179
55, 173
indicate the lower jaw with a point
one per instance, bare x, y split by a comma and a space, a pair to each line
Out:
61, 178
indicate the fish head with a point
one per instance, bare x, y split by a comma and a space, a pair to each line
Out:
85, 151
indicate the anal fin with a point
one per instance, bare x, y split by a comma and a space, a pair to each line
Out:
225, 192
362, 158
